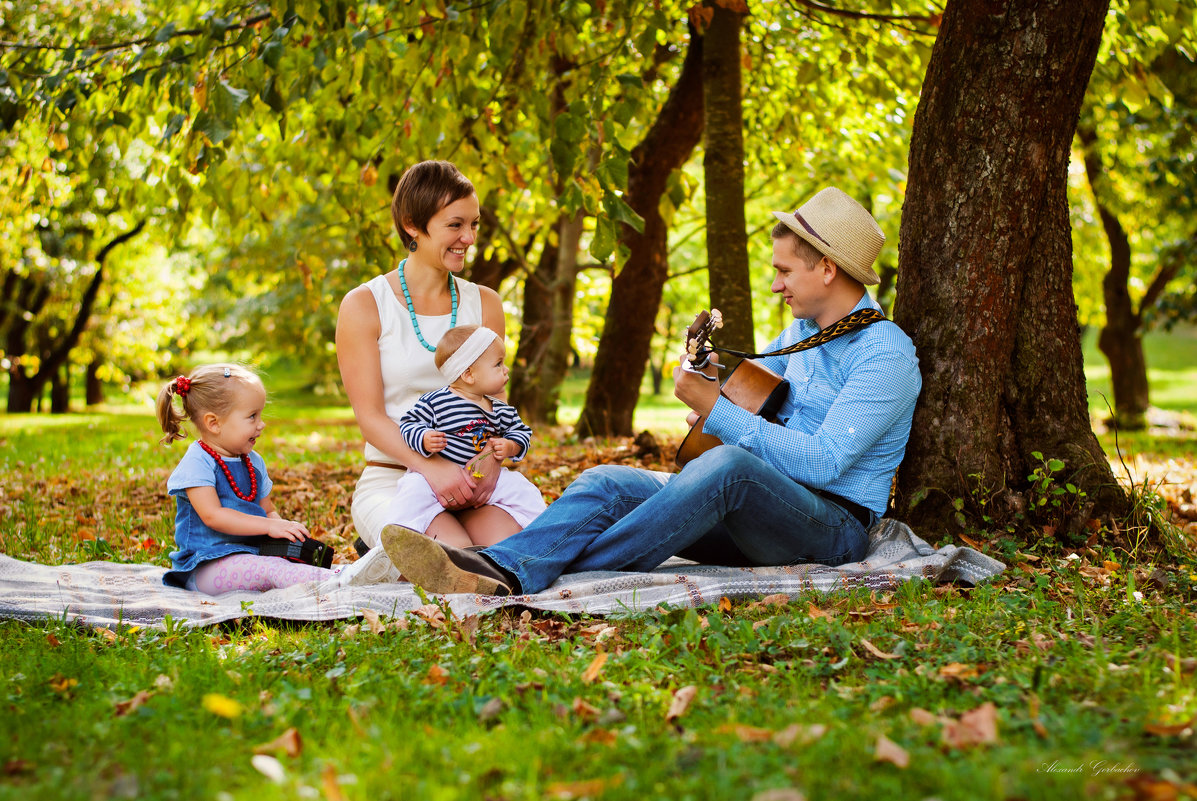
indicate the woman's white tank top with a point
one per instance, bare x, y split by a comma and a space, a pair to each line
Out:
408, 370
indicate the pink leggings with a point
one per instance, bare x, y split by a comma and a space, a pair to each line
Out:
249, 571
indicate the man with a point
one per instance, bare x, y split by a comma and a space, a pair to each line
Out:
804, 489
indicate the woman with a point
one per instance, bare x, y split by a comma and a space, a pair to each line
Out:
387, 330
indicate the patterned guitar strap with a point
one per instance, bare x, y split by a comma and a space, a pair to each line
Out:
853, 322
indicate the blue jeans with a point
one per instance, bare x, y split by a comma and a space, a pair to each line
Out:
726, 507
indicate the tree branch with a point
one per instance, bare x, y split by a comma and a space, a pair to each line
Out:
1163, 275
930, 19
144, 40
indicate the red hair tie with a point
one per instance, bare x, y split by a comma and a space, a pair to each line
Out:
182, 385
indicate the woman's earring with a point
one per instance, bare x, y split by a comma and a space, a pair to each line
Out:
411, 248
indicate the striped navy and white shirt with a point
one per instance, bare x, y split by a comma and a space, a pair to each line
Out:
847, 417
467, 426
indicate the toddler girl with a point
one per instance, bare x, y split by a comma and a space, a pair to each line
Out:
222, 492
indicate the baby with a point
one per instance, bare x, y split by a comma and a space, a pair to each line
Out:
465, 424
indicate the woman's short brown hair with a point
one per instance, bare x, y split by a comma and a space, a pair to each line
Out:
425, 189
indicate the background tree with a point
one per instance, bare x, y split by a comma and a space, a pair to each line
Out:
636, 290
984, 282
723, 172
1136, 136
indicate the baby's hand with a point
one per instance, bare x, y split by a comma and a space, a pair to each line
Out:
280, 529
503, 448
435, 441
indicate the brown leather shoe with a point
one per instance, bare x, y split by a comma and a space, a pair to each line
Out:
441, 568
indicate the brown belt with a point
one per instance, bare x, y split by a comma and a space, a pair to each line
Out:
370, 463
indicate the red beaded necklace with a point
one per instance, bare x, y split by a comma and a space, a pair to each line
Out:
228, 474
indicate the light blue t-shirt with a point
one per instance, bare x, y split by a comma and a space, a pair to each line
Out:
195, 541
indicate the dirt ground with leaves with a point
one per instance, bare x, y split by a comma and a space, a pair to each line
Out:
133, 517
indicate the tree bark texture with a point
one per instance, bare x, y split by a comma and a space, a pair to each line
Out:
723, 176
636, 291
985, 266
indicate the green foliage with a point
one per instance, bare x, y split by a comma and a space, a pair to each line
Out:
1142, 107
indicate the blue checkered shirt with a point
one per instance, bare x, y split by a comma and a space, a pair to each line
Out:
844, 425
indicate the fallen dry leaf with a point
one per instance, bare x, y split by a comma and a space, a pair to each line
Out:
877, 652
747, 734
1152, 788
1169, 729
490, 709
125, 707
289, 743
798, 733
780, 794
977, 727
1033, 713
269, 767
372, 620
355, 719
594, 668
332, 787
436, 675
432, 614
924, 718
584, 710
959, 671
725, 604
600, 737
589, 788
889, 751
681, 702
1182, 666
816, 612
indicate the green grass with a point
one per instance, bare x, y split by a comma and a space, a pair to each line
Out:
1171, 370
1077, 672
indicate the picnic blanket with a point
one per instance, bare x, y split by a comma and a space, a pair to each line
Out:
110, 594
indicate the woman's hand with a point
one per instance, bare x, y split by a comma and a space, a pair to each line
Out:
485, 468
453, 485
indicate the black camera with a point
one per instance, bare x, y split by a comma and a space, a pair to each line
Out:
309, 552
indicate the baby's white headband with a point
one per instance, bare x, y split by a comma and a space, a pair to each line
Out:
474, 346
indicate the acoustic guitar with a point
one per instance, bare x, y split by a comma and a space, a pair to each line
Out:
750, 385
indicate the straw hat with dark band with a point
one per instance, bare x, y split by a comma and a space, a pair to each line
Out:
841, 229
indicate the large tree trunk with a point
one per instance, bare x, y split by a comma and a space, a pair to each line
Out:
93, 386
985, 277
636, 291
25, 297
723, 176
60, 390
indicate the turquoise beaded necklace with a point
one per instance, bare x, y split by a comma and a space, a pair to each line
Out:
411, 309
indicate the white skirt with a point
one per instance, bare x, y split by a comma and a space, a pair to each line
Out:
414, 504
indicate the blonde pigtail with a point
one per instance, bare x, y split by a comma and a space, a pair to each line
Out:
169, 416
